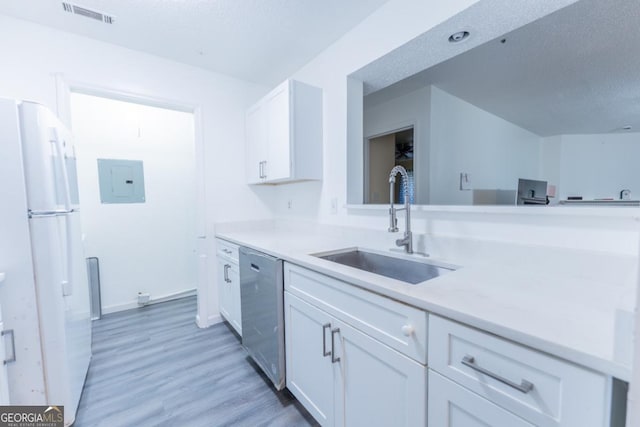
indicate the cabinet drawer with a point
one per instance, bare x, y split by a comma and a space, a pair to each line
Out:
451, 405
401, 327
540, 388
227, 250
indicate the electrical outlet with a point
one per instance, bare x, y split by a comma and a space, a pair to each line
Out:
143, 298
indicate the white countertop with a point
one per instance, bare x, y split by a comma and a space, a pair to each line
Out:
544, 298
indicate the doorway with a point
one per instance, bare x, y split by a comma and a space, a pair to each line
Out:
382, 153
145, 243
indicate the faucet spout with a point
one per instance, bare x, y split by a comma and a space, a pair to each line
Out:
407, 240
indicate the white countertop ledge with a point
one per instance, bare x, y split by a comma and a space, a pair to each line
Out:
568, 314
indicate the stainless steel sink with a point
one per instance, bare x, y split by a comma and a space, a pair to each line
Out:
409, 271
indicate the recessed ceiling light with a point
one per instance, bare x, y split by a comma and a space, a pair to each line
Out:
458, 37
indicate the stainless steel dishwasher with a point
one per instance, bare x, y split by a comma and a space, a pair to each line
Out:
262, 302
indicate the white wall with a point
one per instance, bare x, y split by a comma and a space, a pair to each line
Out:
600, 166
142, 247
31, 54
465, 138
592, 166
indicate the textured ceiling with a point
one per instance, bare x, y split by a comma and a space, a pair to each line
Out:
263, 41
576, 71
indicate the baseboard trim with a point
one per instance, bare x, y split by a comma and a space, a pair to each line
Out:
163, 298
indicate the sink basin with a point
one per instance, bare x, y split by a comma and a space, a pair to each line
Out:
409, 271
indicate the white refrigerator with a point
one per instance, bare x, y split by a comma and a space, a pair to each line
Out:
45, 295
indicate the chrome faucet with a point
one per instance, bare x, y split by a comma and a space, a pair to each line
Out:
407, 239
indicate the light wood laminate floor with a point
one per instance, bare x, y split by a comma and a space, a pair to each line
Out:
153, 366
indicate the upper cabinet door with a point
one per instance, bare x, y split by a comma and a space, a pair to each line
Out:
277, 105
255, 144
284, 135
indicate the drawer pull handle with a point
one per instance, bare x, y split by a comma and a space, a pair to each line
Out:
325, 353
334, 359
524, 386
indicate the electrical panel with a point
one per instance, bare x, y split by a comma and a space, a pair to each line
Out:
121, 181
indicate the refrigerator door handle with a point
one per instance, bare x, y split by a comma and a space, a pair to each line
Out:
57, 212
60, 163
67, 284
13, 346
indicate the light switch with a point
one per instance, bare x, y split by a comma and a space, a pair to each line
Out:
465, 181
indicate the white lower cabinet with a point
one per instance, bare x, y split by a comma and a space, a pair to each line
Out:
228, 281
537, 388
381, 387
311, 375
344, 377
451, 405
355, 358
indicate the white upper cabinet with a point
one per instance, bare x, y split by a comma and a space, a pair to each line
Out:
284, 135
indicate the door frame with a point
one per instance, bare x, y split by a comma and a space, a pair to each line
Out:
367, 140
64, 88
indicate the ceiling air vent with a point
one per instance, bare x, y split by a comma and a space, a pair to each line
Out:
88, 13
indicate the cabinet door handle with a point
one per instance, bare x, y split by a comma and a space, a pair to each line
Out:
226, 273
13, 346
334, 359
408, 330
264, 169
325, 353
524, 386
